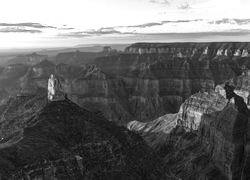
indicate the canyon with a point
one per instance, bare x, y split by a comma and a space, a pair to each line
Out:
130, 85
208, 138
171, 94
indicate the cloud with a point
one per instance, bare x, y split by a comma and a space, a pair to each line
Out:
192, 37
18, 30
188, 35
231, 21
102, 31
184, 6
28, 24
151, 24
26, 27
242, 21
144, 25
77, 34
182, 21
160, 1
182, 25
92, 32
192, 27
65, 28
122, 30
232, 32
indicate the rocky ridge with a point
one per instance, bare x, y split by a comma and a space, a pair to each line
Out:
207, 136
64, 141
234, 49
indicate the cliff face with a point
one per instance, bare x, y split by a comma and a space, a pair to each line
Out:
206, 139
192, 110
223, 136
167, 74
132, 85
188, 118
162, 86
234, 49
156, 132
86, 85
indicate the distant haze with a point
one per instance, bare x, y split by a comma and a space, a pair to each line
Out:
65, 23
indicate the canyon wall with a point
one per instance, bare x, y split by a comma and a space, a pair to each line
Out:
200, 134
207, 129
132, 85
156, 74
233, 49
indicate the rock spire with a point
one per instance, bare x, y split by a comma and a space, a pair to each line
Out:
55, 91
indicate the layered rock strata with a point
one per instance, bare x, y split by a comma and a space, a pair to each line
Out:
129, 85
233, 49
208, 127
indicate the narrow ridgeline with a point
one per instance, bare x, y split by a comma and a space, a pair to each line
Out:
64, 141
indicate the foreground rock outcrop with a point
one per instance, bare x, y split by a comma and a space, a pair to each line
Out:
206, 139
64, 141
189, 116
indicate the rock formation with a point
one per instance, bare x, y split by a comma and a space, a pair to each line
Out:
190, 113
244, 53
237, 52
64, 141
206, 139
205, 52
143, 83
192, 110
241, 88
226, 52
55, 91
220, 52
190, 49
155, 132
179, 54
130, 85
108, 51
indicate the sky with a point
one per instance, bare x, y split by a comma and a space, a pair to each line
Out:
64, 23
